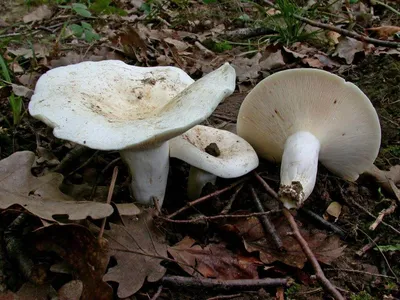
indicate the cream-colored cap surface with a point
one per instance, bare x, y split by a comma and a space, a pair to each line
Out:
337, 112
109, 105
237, 157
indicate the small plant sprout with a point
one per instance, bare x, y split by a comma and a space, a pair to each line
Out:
212, 152
301, 116
109, 105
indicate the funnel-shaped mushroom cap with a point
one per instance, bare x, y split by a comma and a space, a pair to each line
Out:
336, 112
236, 156
109, 105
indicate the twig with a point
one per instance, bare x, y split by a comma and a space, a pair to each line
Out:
204, 198
266, 186
311, 257
383, 255
323, 222
382, 214
84, 164
75, 153
370, 214
245, 33
213, 218
197, 282
158, 293
368, 246
228, 206
360, 272
225, 297
109, 197
311, 214
373, 2
266, 223
344, 32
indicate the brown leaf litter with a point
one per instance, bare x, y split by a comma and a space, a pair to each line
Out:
41, 195
213, 261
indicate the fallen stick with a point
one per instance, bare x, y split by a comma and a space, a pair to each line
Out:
228, 206
304, 245
311, 257
368, 246
323, 222
217, 284
213, 218
207, 197
344, 32
382, 214
266, 223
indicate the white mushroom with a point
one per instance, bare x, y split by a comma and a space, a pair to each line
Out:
109, 105
301, 116
212, 152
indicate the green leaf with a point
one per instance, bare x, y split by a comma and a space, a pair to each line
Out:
86, 25
245, 17
76, 29
82, 12
91, 36
79, 6
146, 8
385, 248
209, 1
4, 70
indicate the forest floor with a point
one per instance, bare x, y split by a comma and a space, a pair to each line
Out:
51, 246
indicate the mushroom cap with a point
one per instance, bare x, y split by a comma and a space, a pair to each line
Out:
237, 157
336, 112
109, 105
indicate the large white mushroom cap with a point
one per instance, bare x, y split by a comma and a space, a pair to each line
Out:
236, 156
109, 105
336, 112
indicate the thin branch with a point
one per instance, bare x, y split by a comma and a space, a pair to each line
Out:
109, 197
213, 218
382, 214
360, 272
266, 186
228, 206
266, 223
225, 297
368, 246
323, 222
214, 284
311, 257
207, 197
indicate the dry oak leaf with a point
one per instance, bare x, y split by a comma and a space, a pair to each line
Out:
41, 195
385, 32
138, 247
39, 14
83, 252
347, 49
71, 290
213, 261
326, 248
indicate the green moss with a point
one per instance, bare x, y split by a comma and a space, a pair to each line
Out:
362, 296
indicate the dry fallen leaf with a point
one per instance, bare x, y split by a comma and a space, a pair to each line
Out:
138, 248
273, 61
385, 32
20, 90
83, 252
71, 290
326, 248
334, 210
41, 195
347, 49
247, 68
40, 13
214, 261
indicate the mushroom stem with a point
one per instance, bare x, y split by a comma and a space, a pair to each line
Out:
299, 168
198, 178
149, 171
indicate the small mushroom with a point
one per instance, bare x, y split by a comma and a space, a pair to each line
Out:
212, 153
109, 105
301, 116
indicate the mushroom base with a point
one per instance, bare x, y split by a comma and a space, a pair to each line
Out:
198, 178
149, 172
299, 168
